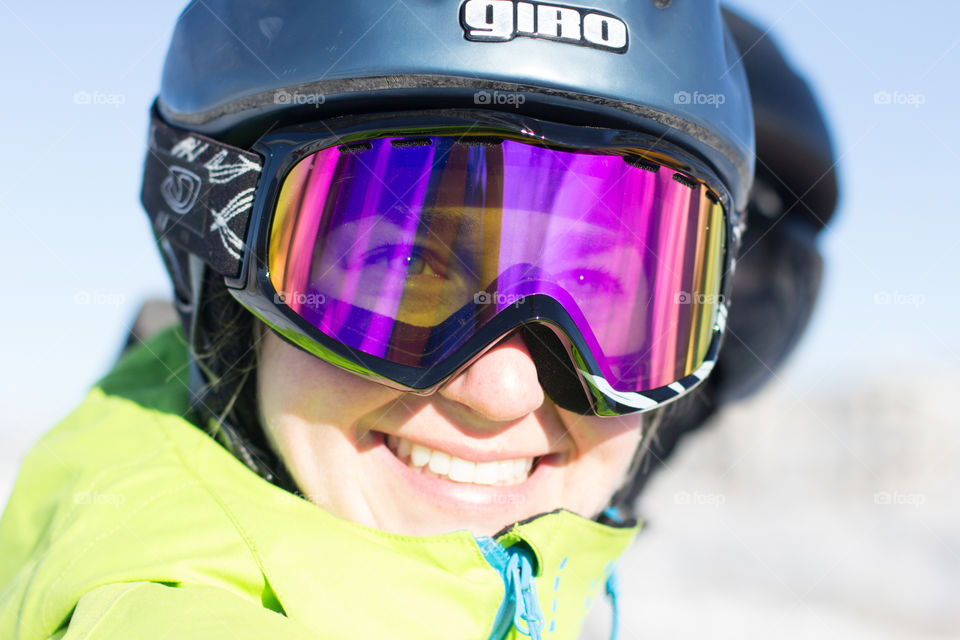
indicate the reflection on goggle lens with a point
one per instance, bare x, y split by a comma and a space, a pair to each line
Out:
403, 248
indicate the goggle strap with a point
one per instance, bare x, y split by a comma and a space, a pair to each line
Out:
199, 194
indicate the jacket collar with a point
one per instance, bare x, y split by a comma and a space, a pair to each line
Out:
346, 580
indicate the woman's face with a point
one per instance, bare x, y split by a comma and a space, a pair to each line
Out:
458, 459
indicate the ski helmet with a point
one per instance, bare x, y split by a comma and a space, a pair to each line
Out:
237, 70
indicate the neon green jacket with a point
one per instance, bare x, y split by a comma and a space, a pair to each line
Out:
127, 521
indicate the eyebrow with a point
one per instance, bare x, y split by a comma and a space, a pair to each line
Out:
590, 244
443, 218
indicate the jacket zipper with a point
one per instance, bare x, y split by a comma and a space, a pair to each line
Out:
520, 607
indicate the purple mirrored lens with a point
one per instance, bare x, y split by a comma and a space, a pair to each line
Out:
403, 248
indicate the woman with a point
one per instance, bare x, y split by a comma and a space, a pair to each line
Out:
439, 268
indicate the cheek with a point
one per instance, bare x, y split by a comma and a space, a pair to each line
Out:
605, 450
612, 439
309, 410
295, 387
615, 452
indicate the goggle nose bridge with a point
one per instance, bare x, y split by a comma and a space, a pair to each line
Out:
552, 353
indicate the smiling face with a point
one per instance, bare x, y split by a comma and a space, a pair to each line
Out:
487, 450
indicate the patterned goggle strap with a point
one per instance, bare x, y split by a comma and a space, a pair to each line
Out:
199, 194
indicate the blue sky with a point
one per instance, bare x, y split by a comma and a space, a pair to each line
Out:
79, 257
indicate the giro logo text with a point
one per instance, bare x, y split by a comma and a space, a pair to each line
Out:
503, 20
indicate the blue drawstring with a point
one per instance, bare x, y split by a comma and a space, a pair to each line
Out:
527, 617
613, 514
612, 595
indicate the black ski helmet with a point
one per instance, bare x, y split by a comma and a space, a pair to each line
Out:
779, 269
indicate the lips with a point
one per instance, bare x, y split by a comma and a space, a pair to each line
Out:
441, 464
425, 503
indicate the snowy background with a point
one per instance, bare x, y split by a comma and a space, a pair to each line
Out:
825, 507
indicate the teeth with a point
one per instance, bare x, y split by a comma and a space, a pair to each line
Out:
419, 455
505, 469
487, 472
525, 465
440, 463
501, 473
460, 470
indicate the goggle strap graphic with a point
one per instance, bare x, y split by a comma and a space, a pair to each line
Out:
199, 194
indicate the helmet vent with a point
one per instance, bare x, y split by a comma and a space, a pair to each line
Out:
411, 142
640, 163
356, 147
684, 180
480, 141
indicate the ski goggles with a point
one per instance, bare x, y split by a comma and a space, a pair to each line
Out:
401, 248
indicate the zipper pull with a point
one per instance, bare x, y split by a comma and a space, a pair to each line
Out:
527, 616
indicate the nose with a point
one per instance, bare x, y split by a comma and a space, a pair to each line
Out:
501, 385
